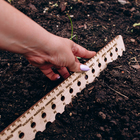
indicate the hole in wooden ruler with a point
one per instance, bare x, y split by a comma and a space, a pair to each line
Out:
78, 83
111, 54
99, 65
86, 77
53, 106
21, 135
71, 90
43, 115
33, 124
93, 70
62, 98
105, 59
116, 49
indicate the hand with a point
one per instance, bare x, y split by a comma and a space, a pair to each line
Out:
59, 53
20, 34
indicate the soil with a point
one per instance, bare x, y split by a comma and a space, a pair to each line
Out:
108, 108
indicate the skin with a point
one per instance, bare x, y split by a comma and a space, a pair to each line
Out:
19, 34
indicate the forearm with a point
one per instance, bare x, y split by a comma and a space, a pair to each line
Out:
18, 33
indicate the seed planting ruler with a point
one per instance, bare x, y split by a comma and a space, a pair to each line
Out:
45, 110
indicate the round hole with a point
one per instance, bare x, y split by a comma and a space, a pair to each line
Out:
53, 106
43, 115
99, 65
33, 124
86, 77
71, 90
105, 59
116, 49
79, 83
111, 54
93, 70
21, 135
62, 98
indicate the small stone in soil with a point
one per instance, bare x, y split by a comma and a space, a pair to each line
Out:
99, 136
102, 115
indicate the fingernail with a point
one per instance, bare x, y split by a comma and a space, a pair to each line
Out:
58, 77
84, 68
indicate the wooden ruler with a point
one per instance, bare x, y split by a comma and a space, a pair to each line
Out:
45, 110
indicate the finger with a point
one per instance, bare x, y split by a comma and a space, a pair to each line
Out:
36, 61
46, 69
50, 74
63, 71
82, 52
78, 67
76, 59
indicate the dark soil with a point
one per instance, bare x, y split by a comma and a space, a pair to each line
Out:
99, 111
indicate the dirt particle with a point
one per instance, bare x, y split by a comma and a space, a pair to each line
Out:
113, 122
99, 136
135, 138
102, 115
62, 6
102, 128
122, 72
70, 114
132, 40
86, 93
32, 7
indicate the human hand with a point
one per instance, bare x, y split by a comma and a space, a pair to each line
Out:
60, 53
22, 35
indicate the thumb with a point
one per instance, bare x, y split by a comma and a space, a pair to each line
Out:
78, 67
